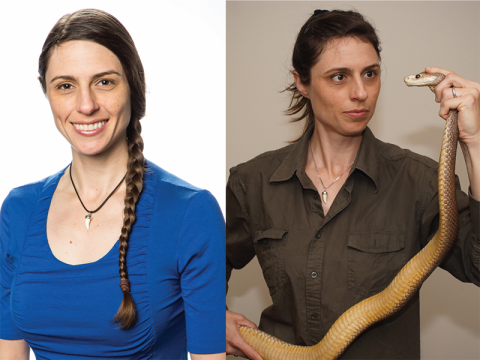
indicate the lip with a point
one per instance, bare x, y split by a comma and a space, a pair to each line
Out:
357, 113
89, 132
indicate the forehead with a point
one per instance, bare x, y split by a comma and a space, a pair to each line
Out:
81, 58
348, 52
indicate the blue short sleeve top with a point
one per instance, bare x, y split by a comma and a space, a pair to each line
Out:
175, 262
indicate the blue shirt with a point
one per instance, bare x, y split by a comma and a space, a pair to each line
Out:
175, 262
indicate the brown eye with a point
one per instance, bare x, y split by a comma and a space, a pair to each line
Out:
64, 87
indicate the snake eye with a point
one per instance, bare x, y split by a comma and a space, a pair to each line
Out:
417, 76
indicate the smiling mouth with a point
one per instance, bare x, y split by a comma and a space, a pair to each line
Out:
95, 126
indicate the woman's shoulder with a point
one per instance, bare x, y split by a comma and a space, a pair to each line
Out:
184, 205
25, 196
394, 153
265, 163
161, 178
171, 189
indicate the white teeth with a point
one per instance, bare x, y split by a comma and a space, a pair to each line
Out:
95, 126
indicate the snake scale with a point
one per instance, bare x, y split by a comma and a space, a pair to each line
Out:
377, 307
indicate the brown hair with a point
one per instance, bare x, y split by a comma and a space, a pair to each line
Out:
104, 29
323, 26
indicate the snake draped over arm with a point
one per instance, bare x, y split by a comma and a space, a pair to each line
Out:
380, 306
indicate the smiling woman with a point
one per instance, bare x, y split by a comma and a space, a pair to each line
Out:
88, 97
110, 216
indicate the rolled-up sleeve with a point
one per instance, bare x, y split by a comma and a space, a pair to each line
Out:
463, 260
240, 248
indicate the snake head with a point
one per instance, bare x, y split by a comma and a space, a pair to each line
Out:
424, 79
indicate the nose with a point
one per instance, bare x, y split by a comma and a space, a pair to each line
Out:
359, 91
86, 102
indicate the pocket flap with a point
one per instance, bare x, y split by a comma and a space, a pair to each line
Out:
275, 234
377, 241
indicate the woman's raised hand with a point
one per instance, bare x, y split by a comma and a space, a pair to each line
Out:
467, 102
235, 343
466, 99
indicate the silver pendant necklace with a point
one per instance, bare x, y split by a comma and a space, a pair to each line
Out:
324, 192
89, 217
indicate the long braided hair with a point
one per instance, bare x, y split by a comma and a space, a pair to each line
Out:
104, 29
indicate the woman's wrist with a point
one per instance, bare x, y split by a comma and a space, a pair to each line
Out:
471, 153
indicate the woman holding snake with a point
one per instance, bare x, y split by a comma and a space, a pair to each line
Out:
318, 213
110, 217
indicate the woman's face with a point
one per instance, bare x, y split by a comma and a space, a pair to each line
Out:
89, 96
344, 86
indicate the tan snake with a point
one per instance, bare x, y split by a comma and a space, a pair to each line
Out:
378, 307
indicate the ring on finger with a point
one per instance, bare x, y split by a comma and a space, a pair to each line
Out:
453, 91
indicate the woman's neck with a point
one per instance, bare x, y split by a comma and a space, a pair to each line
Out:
333, 152
99, 174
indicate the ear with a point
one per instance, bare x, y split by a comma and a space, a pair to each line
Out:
41, 87
301, 87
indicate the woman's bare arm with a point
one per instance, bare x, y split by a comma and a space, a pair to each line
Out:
14, 350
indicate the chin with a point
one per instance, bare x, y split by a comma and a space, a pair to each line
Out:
89, 149
355, 129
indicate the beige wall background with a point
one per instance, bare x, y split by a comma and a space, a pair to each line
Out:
260, 38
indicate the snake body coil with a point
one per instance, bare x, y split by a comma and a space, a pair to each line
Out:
378, 307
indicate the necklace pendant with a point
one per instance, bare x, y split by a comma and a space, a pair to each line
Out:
88, 218
324, 195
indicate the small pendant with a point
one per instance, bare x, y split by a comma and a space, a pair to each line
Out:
324, 196
88, 218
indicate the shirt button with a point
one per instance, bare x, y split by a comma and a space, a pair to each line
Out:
313, 274
315, 196
318, 235
313, 317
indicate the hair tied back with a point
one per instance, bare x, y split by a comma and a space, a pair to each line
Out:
316, 12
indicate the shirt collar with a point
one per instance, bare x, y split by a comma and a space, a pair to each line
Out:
295, 160
367, 158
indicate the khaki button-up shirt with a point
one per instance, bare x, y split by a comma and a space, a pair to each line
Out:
317, 266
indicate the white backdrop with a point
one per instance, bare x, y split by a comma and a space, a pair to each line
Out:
182, 47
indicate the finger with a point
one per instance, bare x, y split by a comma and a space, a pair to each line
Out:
451, 80
231, 350
431, 70
247, 323
449, 104
466, 100
241, 348
239, 319
250, 353
451, 93
237, 342
240, 344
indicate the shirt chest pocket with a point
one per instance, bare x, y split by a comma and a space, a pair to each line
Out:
270, 250
374, 259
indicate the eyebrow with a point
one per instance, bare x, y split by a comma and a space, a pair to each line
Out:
346, 69
96, 76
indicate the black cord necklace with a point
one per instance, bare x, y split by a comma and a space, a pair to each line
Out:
89, 217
